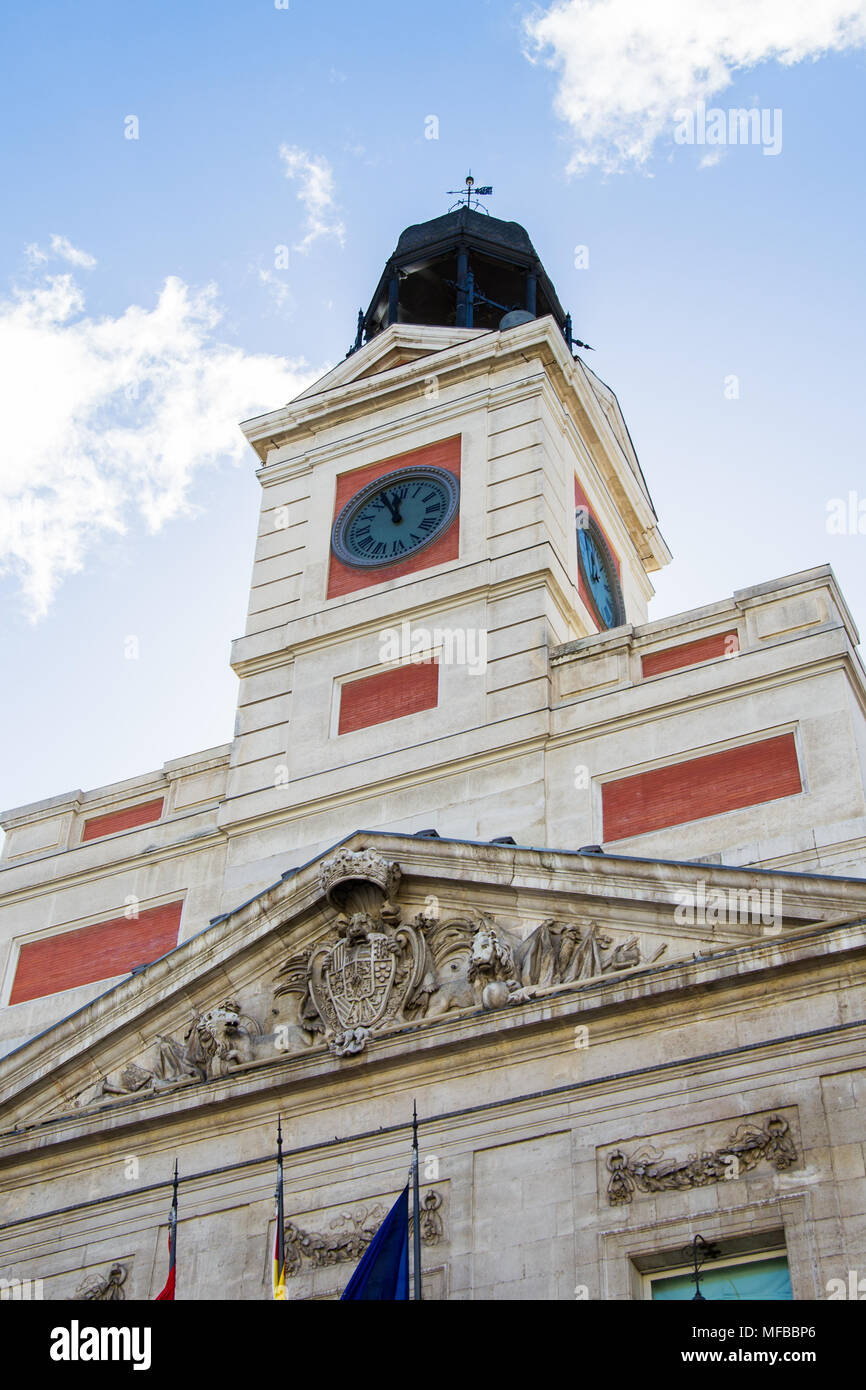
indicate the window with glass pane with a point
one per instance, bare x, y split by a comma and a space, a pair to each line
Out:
767, 1280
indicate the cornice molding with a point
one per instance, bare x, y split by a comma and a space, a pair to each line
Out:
483, 590
210, 838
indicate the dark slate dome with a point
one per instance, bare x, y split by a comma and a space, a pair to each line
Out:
465, 222
465, 269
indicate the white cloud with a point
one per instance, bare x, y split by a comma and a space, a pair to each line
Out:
625, 66
60, 248
277, 287
107, 421
316, 192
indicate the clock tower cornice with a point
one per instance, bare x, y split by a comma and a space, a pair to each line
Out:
362, 395
392, 435
460, 586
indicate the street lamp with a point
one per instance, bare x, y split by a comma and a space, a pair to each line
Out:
698, 1251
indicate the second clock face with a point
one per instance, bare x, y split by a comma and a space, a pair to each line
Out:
393, 517
598, 569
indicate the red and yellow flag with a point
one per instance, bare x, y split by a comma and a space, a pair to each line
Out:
280, 1232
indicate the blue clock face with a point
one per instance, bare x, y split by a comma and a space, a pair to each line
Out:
392, 518
598, 569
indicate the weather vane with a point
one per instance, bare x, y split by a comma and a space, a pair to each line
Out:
469, 196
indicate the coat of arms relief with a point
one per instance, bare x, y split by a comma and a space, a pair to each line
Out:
371, 972
364, 979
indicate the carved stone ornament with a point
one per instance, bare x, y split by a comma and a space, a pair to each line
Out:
374, 971
647, 1170
362, 875
474, 963
362, 975
107, 1288
363, 979
349, 1235
431, 1221
215, 1042
347, 1239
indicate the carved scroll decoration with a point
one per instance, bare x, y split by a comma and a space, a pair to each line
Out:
647, 1170
350, 1233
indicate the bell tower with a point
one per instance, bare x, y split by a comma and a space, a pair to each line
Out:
465, 270
453, 500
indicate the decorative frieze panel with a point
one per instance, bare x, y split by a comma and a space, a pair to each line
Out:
349, 1234
668, 1168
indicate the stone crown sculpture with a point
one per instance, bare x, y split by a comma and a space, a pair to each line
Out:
358, 880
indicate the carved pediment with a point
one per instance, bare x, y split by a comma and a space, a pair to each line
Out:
373, 972
369, 973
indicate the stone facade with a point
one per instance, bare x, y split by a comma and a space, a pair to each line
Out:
615, 1041
621, 1034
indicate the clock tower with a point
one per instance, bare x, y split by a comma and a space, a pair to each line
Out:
456, 499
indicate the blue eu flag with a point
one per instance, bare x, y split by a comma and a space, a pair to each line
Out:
384, 1270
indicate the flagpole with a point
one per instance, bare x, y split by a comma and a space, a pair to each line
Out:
173, 1223
280, 1239
174, 1213
416, 1202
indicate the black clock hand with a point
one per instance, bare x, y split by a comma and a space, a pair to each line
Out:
393, 509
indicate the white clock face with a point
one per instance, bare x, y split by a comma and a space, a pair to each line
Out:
393, 517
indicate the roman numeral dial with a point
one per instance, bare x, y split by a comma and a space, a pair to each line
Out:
395, 516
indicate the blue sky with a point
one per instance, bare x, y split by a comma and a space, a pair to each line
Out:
120, 398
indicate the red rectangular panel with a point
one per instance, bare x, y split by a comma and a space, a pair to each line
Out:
689, 653
744, 776
98, 952
130, 816
388, 695
342, 579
